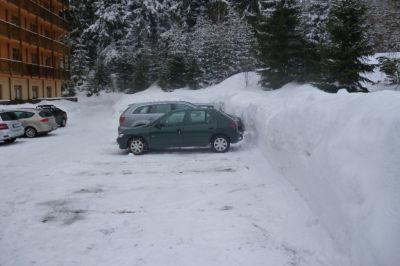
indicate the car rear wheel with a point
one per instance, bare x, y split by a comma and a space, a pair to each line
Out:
10, 140
220, 144
63, 123
30, 132
137, 146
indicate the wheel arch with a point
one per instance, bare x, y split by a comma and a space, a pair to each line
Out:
220, 134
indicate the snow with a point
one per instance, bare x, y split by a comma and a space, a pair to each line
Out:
315, 182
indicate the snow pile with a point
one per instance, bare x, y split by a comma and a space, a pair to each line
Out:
341, 151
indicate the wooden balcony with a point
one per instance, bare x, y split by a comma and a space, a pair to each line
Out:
17, 33
17, 68
38, 10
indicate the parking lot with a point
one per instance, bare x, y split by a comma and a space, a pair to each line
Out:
74, 198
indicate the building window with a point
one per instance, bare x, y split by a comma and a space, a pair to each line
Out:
16, 54
48, 61
17, 92
33, 27
48, 91
34, 58
47, 33
15, 20
35, 92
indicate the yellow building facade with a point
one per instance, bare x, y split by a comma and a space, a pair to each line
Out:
33, 56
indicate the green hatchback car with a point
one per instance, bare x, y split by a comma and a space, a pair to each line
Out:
184, 128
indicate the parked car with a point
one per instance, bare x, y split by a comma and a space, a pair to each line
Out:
35, 121
183, 128
140, 114
10, 127
60, 115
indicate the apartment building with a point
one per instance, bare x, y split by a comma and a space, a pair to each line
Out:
33, 56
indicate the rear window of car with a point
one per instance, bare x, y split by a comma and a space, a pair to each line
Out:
142, 109
8, 116
160, 108
45, 114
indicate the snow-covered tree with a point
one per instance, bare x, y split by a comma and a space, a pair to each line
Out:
348, 48
281, 46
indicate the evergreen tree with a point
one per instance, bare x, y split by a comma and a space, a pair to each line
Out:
281, 46
348, 48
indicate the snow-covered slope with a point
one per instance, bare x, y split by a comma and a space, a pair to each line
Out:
341, 151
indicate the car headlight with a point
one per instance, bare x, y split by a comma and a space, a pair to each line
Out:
121, 135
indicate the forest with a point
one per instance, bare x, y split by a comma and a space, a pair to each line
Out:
129, 45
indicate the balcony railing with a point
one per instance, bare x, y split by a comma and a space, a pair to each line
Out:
12, 67
42, 12
15, 32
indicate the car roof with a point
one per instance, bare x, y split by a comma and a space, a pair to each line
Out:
161, 102
26, 109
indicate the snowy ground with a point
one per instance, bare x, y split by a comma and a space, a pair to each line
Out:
73, 198
315, 182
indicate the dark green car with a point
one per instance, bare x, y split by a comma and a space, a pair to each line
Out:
184, 128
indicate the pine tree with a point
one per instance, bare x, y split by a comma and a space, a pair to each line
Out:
281, 46
348, 48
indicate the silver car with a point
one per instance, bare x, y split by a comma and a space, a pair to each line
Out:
10, 127
140, 114
36, 121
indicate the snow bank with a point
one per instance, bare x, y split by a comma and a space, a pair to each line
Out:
341, 151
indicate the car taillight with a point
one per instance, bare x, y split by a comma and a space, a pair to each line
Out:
121, 120
233, 125
3, 126
45, 120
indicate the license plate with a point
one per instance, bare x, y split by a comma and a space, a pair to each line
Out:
15, 126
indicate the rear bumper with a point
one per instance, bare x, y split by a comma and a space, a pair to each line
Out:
47, 127
237, 137
11, 134
123, 143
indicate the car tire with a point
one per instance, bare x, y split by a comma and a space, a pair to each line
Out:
137, 146
220, 144
10, 140
63, 123
30, 132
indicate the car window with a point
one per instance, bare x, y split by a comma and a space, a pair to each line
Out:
45, 114
181, 106
160, 108
197, 117
8, 116
174, 119
200, 117
142, 109
210, 119
19, 114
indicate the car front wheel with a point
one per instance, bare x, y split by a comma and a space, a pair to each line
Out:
137, 146
63, 123
220, 144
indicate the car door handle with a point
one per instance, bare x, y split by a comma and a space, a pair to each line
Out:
211, 128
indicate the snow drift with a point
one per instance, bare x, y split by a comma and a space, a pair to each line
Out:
341, 151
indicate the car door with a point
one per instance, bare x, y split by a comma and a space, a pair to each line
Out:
168, 132
199, 127
24, 117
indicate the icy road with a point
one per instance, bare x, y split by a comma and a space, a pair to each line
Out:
74, 198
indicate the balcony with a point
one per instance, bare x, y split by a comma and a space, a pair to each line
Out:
14, 32
12, 67
42, 12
